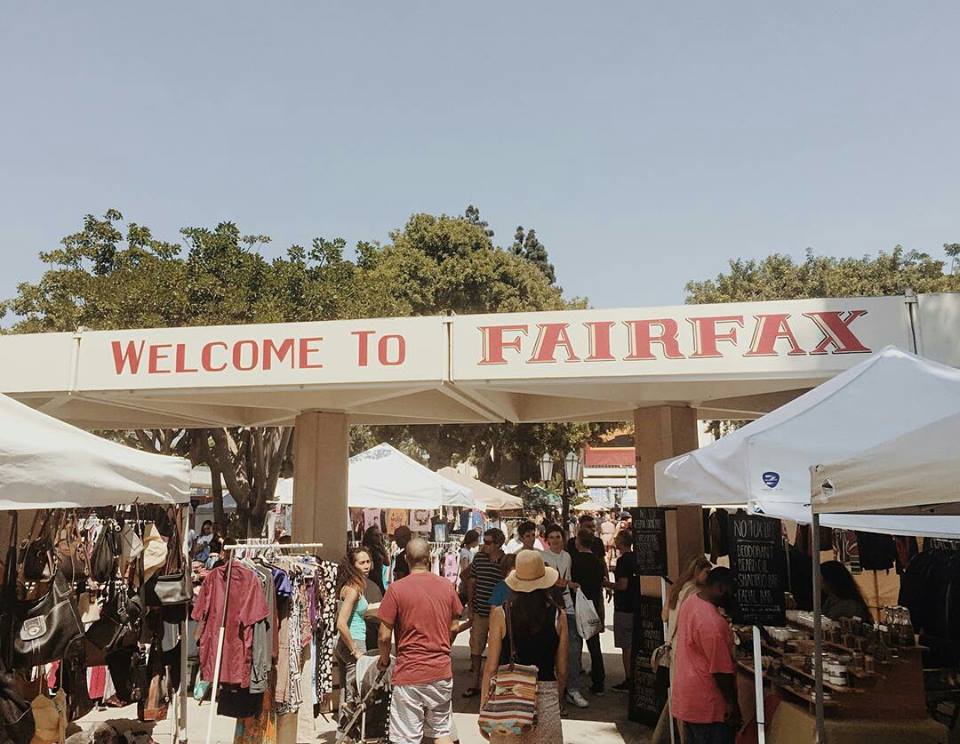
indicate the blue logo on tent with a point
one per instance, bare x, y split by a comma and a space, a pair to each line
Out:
771, 479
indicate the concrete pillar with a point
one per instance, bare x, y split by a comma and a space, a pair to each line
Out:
659, 433
321, 452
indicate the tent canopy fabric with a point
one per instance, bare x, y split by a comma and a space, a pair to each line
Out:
916, 469
768, 461
947, 527
385, 478
47, 464
485, 495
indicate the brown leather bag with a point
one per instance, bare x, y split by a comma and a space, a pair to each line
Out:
156, 701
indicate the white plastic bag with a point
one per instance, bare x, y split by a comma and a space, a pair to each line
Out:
588, 621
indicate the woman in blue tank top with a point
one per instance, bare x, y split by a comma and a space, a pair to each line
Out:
351, 624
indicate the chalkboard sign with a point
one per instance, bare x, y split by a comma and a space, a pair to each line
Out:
759, 567
647, 696
650, 540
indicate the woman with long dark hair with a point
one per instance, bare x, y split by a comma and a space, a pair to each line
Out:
842, 597
351, 624
373, 542
691, 580
539, 631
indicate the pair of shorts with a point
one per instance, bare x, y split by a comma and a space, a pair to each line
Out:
478, 634
622, 629
419, 711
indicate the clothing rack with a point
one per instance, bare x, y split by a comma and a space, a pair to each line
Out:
254, 546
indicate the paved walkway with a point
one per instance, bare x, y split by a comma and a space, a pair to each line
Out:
604, 722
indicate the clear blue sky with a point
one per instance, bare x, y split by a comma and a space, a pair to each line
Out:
646, 142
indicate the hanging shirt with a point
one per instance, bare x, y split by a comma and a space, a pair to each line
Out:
245, 609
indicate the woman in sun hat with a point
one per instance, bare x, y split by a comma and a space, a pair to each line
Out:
539, 630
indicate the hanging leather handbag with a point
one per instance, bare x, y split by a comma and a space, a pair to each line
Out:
8, 596
37, 555
71, 553
154, 703
47, 626
107, 632
103, 558
171, 589
16, 715
128, 670
73, 681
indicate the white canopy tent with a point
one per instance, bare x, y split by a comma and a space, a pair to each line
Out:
47, 464
385, 478
883, 407
485, 495
916, 470
766, 464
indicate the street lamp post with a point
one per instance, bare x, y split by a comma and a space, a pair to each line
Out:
571, 475
546, 469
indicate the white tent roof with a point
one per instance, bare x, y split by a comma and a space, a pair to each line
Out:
229, 504
919, 468
385, 478
485, 495
768, 460
45, 463
888, 524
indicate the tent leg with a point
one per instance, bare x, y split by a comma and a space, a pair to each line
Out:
817, 631
758, 686
666, 634
184, 630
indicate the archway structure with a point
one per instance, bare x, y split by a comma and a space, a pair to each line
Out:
663, 366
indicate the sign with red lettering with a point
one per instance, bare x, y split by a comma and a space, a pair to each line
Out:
748, 338
390, 350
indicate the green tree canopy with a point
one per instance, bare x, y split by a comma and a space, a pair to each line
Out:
779, 277
111, 276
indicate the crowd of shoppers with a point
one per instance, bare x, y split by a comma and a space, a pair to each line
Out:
520, 607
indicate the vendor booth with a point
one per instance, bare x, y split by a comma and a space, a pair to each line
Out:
68, 578
486, 496
861, 678
390, 489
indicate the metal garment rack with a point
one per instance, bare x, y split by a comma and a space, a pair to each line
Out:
254, 546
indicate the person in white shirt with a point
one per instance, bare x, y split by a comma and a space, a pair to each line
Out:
526, 538
559, 559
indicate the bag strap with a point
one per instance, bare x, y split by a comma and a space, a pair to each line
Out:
513, 645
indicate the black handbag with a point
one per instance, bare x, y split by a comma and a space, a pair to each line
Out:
128, 670
16, 715
73, 681
8, 596
47, 626
37, 554
107, 631
172, 588
103, 559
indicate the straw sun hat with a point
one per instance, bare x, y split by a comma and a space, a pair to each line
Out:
530, 574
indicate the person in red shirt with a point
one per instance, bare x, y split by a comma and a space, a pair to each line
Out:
704, 695
422, 611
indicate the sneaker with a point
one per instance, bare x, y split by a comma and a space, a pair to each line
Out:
596, 690
622, 687
575, 697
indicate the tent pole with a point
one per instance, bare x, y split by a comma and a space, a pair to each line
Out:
184, 628
817, 631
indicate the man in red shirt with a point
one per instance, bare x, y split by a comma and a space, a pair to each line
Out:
704, 693
422, 611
